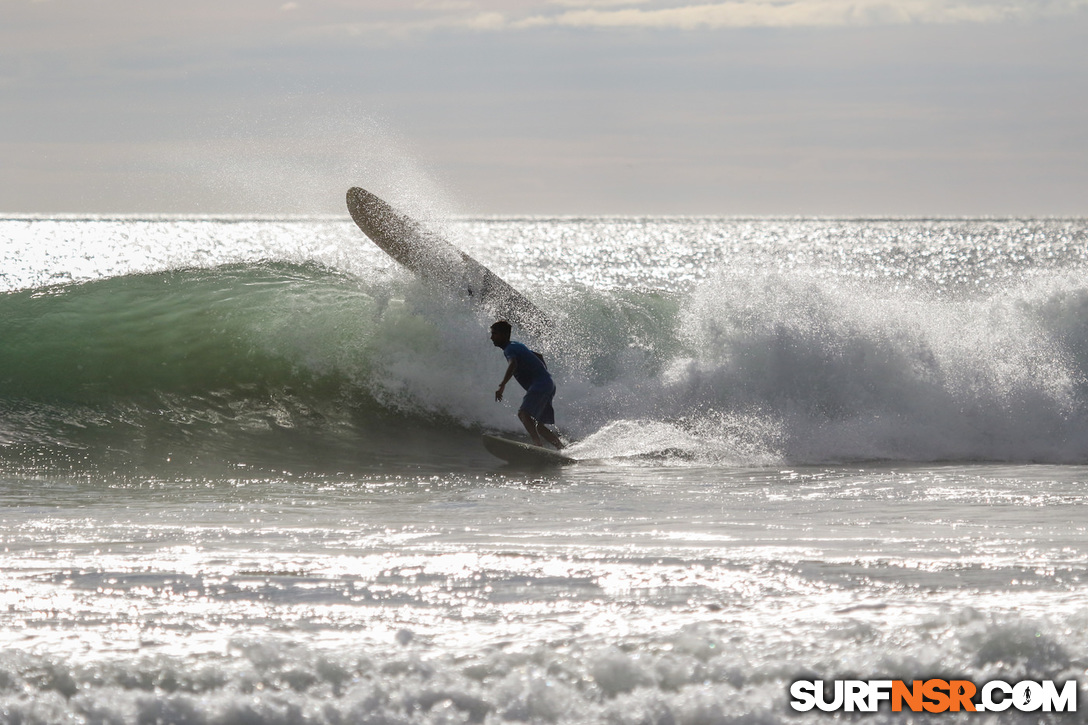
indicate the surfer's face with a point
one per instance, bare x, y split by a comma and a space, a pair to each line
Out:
499, 339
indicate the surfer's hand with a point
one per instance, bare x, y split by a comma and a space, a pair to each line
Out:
498, 393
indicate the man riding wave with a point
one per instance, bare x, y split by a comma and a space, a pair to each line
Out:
531, 372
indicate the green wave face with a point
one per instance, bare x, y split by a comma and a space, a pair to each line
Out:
285, 364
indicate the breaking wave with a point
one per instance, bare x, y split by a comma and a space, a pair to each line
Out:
255, 359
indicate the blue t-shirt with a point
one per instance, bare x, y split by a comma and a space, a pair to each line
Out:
531, 373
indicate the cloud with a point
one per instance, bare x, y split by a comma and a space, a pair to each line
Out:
597, 3
798, 13
109, 24
518, 15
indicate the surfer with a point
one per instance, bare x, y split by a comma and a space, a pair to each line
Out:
531, 372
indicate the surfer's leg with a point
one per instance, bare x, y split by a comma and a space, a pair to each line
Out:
530, 426
546, 416
549, 436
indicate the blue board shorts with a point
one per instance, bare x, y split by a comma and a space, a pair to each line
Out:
538, 404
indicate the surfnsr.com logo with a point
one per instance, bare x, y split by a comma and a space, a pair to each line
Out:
934, 695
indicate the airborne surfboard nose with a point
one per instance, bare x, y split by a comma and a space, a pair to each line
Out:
433, 258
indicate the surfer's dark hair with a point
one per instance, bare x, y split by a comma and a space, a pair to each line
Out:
503, 327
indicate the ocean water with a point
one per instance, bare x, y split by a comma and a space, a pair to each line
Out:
241, 478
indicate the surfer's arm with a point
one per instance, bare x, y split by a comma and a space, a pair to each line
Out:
506, 378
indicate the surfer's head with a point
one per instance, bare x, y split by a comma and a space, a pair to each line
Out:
500, 333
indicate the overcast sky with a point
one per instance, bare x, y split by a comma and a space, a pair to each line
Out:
747, 107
